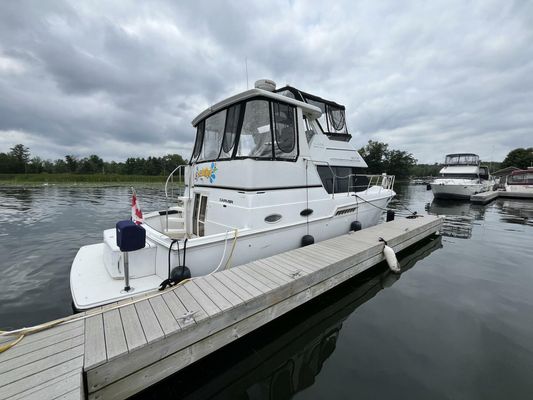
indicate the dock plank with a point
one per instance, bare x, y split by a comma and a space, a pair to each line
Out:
289, 263
168, 323
150, 324
270, 273
191, 305
115, 339
28, 370
95, 350
248, 271
207, 304
224, 290
217, 298
20, 386
132, 327
178, 310
249, 284
41, 353
284, 268
43, 339
243, 294
54, 388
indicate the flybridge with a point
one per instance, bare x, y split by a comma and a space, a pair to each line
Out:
333, 118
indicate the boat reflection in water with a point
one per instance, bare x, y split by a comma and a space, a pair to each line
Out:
459, 216
516, 211
286, 356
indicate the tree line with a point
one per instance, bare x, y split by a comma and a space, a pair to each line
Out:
379, 157
19, 161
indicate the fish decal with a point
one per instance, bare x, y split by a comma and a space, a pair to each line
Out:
206, 173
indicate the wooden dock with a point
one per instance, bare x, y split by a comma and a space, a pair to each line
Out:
487, 197
118, 350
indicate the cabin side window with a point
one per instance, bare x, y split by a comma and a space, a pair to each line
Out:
213, 132
343, 179
284, 119
230, 132
256, 138
199, 141
460, 176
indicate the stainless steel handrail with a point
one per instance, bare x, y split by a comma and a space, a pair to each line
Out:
180, 170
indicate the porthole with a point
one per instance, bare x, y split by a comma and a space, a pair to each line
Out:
306, 212
272, 218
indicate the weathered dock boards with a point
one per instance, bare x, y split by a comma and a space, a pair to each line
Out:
121, 351
487, 197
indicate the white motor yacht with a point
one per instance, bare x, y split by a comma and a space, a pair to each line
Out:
461, 177
520, 181
271, 170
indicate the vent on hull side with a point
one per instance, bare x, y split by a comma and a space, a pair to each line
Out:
344, 211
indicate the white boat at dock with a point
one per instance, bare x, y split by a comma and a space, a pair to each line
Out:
520, 181
461, 177
271, 170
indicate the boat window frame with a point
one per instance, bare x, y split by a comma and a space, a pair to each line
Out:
238, 128
275, 141
234, 156
198, 141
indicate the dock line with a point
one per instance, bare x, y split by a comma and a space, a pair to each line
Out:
22, 332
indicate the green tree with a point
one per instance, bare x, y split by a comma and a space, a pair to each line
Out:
35, 166
21, 154
520, 158
8, 164
72, 163
399, 163
380, 159
375, 154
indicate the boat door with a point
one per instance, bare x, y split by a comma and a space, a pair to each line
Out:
200, 207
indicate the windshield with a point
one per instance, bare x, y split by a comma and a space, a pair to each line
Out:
520, 179
259, 128
462, 159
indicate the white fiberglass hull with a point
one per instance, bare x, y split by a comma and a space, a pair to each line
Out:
92, 285
519, 188
451, 189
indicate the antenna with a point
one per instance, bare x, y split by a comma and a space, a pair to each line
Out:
246, 67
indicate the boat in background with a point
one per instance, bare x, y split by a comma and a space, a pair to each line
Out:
520, 181
461, 177
271, 170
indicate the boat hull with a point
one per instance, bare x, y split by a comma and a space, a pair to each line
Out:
93, 286
457, 191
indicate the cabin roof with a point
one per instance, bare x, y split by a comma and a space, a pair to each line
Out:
310, 111
461, 154
300, 94
505, 171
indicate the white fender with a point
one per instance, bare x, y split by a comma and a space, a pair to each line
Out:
391, 259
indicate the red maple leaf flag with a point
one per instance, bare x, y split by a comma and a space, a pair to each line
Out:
136, 213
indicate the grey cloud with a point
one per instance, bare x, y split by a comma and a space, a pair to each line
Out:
125, 79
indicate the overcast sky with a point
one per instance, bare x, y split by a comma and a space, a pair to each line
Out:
122, 79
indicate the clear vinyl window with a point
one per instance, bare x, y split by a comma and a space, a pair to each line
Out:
230, 133
213, 133
256, 137
284, 120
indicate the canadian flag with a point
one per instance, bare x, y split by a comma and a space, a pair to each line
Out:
136, 213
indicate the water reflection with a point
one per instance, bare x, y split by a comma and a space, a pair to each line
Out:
459, 216
285, 357
516, 211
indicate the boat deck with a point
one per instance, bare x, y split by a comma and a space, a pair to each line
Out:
118, 350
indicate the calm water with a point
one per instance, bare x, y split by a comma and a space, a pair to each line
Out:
458, 323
